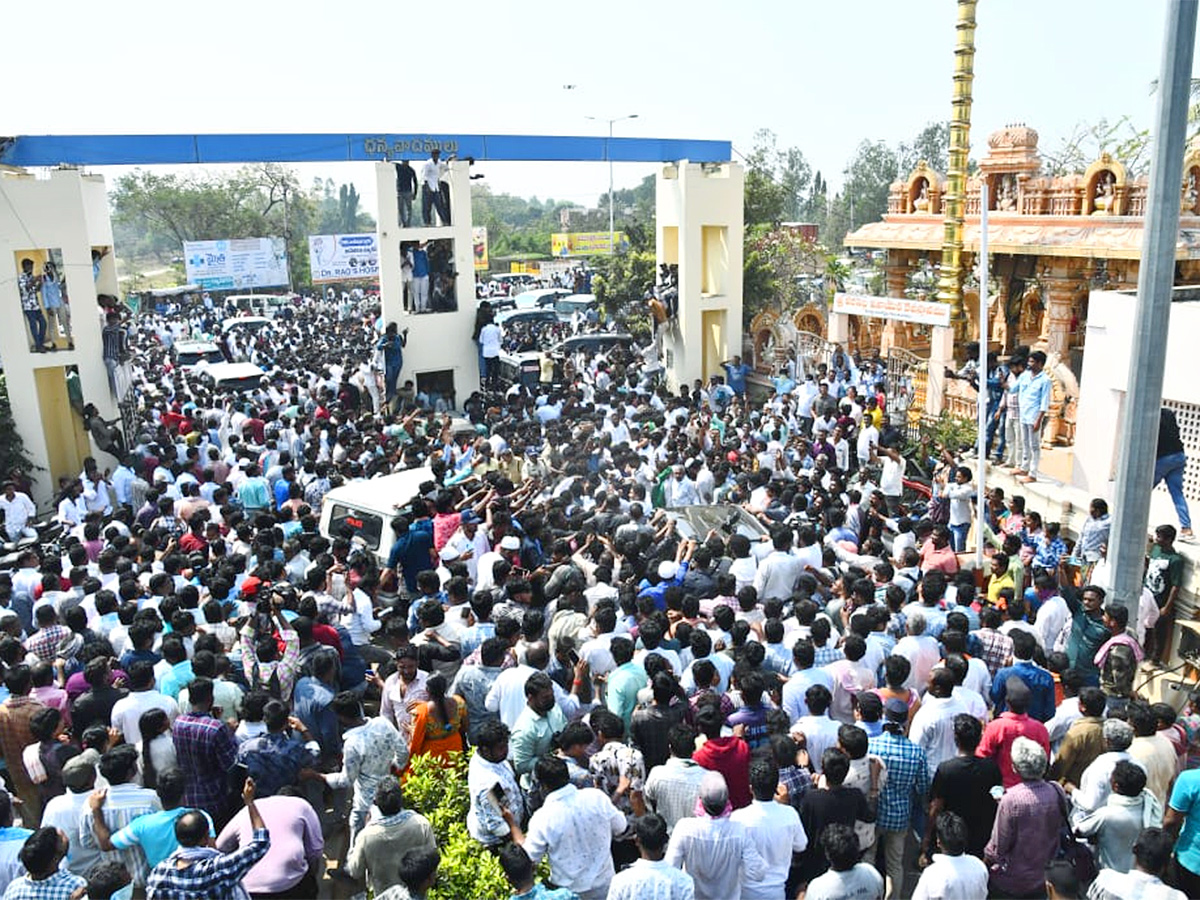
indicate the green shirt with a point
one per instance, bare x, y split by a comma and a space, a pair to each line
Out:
1087, 634
624, 682
533, 737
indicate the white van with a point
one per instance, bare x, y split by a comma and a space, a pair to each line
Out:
266, 305
367, 508
225, 376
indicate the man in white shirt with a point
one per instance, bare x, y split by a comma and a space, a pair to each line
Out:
489, 348
891, 478
778, 573
775, 829
716, 851
820, 732
932, 726
805, 676
920, 649
575, 828
868, 440
66, 810
18, 509
1151, 856
952, 874
652, 876
142, 697
680, 490
431, 195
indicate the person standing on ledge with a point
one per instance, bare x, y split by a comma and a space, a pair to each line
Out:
1033, 398
1169, 464
392, 345
406, 189
431, 191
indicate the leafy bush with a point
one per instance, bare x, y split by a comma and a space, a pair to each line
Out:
439, 793
14, 459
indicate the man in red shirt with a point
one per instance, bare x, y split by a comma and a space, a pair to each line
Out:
1015, 722
728, 755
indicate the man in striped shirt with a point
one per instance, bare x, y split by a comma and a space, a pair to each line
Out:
124, 802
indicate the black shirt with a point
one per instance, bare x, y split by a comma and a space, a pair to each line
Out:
94, 708
839, 805
964, 785
1168, 434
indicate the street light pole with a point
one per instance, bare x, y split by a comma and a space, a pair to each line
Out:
608, 153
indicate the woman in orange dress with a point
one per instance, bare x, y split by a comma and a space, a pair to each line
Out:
437, 723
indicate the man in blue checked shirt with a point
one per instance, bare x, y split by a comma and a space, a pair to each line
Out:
41, 856
197, 870
907, 779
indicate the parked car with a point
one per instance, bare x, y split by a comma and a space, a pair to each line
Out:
246, 323
527, 317
695, 522
232, 376
541, 297
567, 306
190, 354
600, 342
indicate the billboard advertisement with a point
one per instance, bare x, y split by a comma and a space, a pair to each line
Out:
586, 243
479, 244
236, 264
901, 309
343, 257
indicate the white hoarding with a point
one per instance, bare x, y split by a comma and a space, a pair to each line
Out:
236, 264
343, 257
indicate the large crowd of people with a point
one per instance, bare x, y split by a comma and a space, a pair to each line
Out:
205, 696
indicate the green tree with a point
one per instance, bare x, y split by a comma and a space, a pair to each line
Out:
158, 213
868, 177
439, 793
15, 462
931, 144
778, 182
1127, 144
621, 280
781, 269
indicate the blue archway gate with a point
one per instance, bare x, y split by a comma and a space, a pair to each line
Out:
213, 149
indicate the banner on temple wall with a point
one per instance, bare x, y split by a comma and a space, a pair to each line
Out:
899, 309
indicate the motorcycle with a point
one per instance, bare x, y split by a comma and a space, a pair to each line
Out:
48, 529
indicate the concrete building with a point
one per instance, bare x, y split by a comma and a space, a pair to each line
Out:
699, 228
1102, 387
63, 217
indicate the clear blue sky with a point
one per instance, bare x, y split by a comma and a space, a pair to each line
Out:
822, 75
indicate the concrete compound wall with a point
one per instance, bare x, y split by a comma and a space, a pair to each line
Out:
67, 211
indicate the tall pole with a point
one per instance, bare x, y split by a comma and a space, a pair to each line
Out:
1143, 399
982, 393
608, 152
950, 282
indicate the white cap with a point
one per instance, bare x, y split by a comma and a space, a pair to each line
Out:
510, 542
667, 569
